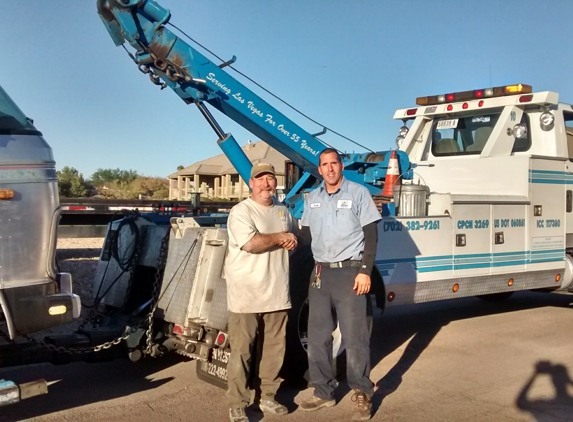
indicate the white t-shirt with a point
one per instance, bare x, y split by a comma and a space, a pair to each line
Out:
257, 282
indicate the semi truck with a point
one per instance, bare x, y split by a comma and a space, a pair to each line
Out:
34, 294
481, 205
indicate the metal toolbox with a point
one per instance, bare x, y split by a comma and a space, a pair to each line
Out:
110, 281
194, 289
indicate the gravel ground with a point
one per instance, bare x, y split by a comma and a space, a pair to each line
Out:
79, 257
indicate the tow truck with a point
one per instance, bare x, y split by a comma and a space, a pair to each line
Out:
495, 216
482, 205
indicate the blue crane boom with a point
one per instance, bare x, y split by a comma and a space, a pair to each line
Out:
171, 62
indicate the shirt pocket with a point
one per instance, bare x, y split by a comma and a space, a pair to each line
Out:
346, 219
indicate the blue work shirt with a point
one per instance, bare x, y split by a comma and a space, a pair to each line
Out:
336, 220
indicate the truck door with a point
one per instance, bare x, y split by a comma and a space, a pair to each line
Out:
472, 239
509, 238
548, 211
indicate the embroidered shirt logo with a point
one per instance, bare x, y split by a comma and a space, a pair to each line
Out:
344, 204
315, 205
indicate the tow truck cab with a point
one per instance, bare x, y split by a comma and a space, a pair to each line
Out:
33, 294
496, 167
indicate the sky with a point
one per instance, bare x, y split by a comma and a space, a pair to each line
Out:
348, 64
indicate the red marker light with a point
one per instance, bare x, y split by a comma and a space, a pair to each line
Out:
525, 98
221, 339
411, 112
479, 93
465, 105
450, 107
480, 103
450, 97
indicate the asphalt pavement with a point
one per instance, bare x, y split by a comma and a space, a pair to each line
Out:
463, 360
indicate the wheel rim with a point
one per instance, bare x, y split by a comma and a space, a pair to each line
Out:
337, 343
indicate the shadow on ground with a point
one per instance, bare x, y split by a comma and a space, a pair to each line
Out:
548, 409
422, 323
78, 384
418, 325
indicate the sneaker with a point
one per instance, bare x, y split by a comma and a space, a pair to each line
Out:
238, 414
272, 406
363, 406
315, 403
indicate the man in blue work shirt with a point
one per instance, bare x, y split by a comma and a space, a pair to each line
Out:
342, 219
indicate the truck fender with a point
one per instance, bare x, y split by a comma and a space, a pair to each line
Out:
568, 274
7, 315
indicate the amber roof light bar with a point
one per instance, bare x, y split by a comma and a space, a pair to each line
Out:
453, 97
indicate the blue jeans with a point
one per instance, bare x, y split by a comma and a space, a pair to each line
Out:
351, 310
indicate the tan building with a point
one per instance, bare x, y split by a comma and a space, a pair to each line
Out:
217, 178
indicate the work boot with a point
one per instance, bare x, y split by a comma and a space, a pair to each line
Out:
363, 406
238, 414
272, 406
315, 403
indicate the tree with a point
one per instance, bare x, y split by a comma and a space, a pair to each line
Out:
142, 187
104, 177
71, 183
150, 187
180, 167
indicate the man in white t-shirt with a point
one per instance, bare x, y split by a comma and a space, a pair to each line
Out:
257, 275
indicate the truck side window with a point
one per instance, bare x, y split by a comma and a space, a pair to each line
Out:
12, 120
568, 119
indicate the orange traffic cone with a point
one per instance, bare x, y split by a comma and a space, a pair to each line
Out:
392, 176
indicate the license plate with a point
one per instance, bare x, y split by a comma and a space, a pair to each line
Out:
447, 124
216, 366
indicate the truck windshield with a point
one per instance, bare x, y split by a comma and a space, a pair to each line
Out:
12, 120
468, 135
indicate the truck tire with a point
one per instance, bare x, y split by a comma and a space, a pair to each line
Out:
295, 364
295, 367
496, 297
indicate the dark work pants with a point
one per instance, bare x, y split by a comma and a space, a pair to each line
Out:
336, 291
